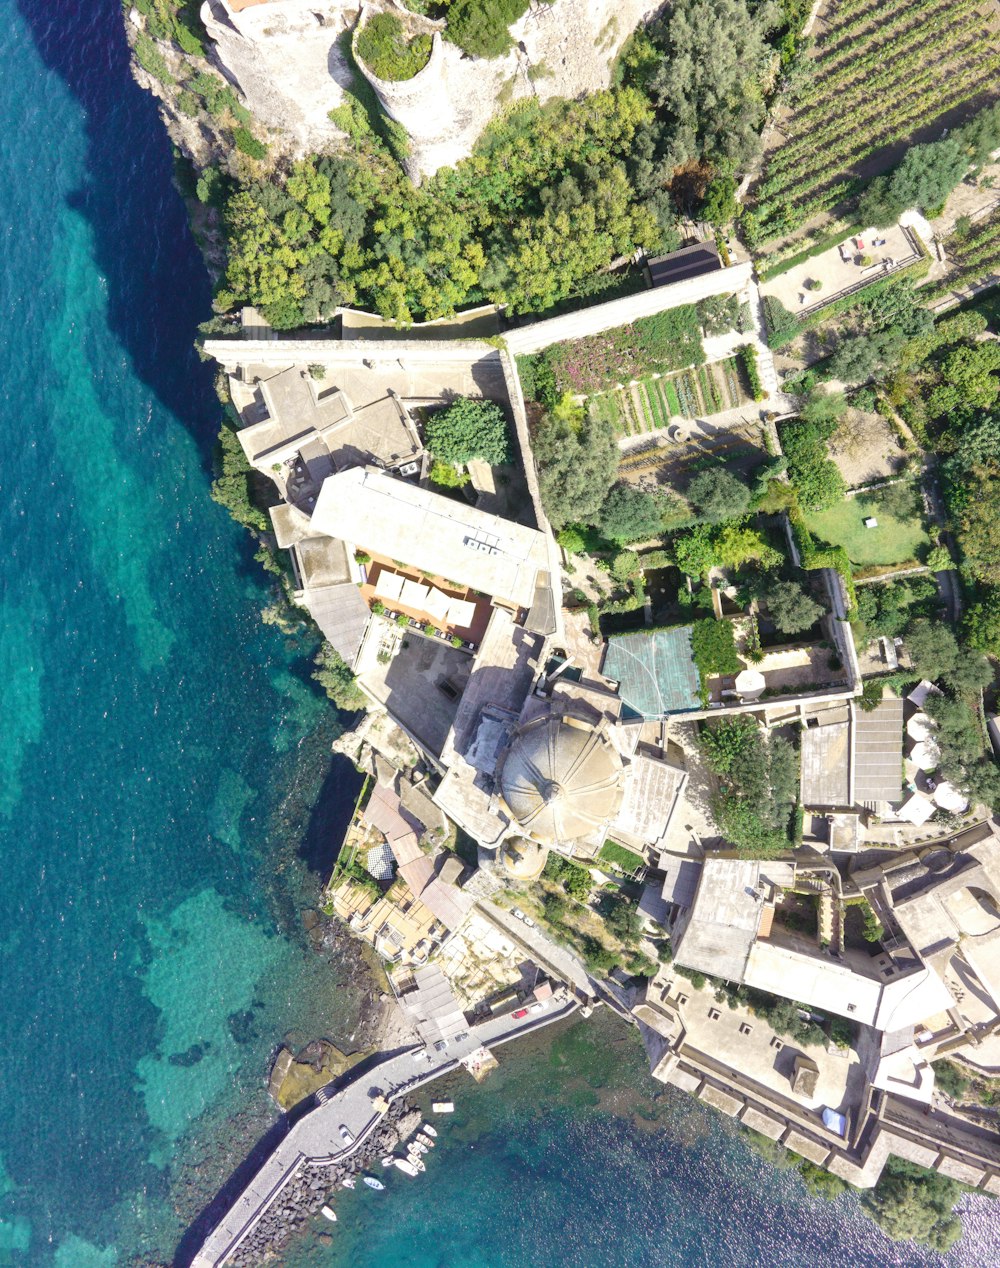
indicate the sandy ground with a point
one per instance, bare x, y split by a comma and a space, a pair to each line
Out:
866, 448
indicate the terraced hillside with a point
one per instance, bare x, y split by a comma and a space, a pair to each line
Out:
880, 71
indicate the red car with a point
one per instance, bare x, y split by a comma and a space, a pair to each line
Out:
521, 1012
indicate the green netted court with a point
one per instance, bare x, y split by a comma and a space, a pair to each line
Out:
656, 671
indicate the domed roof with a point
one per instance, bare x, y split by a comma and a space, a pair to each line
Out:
561, 779
523, 858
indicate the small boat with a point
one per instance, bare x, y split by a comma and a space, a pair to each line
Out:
429, 1130
390, 1161
373, 1183
443, 1107
407, 1167
418, 1149
329, 1212
418, 1162
424, 1140
349, 1182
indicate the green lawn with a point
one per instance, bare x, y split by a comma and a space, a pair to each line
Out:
894, 541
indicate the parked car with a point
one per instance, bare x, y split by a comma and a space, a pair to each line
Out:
441, 1045
528, 921
345, 1135
459, 1037
419, 1054
518, 913
521, 1012
537, 1007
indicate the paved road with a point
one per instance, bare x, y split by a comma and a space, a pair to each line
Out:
316, 1137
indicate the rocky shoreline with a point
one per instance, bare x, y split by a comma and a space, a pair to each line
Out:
314, 1184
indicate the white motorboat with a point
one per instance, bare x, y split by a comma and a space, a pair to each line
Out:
329, 1212
417, 1148
389, 1162
407, 1167
424, 1140
373, 1183
429, 1130
349, 1182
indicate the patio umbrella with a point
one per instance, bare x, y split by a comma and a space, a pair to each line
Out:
948, 797
920, 727
926, 755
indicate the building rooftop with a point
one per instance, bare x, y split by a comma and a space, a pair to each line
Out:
826, 758
653, 789
561, 779
878, 753
718, 933
655, 671
678, 266
444, 537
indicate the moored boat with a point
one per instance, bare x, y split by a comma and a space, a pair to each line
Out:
431, 1131
424, 1140
349, 1182
407, 1167
329, 1212
388, 1162
373, 1183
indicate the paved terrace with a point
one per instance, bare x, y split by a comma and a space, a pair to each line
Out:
316, 1136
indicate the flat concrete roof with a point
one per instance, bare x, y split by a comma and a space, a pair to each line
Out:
826, 756
652, 791
444, 537
723, 921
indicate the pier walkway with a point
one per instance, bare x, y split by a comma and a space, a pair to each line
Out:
316, 1136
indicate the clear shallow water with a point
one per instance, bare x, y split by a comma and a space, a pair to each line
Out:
162, 748
162, 754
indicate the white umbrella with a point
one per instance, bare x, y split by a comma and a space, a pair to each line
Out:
926, 755
750, 682
948, 797
920, 727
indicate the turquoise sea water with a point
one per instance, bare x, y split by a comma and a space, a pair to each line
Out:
162, 748
165, 787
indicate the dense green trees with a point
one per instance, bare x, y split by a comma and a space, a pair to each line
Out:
577, 465
716, 494
335, 677
469, 429
543, 203
480, 27
630, 515
814, 475
912, 1204
791, 608
924, 179
759, 784
233, 484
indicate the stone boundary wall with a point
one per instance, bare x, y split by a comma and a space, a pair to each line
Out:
619, 312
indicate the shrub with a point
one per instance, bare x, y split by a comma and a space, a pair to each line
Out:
748, 359
480, 27
446, 476
247, 143
575, 880
714, 649
150, 59
383, 47
469, 429
630, 515
791, 609
716, 494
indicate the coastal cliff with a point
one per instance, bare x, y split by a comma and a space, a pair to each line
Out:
281, 67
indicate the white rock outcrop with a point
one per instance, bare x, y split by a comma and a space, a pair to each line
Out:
284, 57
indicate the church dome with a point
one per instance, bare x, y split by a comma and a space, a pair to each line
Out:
561, 779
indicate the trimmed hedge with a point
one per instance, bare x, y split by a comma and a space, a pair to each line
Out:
748, 359
814, 557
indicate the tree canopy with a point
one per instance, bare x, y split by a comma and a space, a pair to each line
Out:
716, 494
791, 609
469, 429
630, 515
